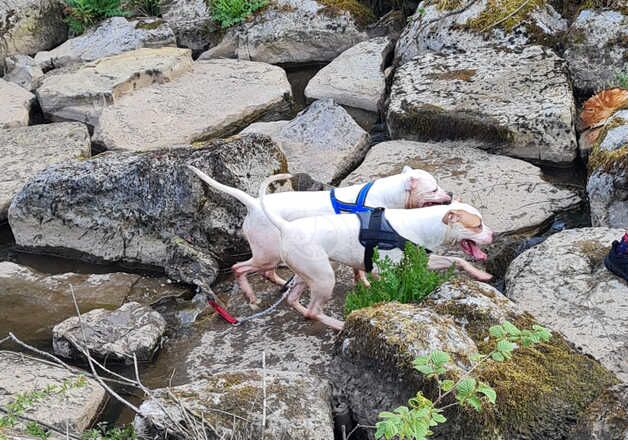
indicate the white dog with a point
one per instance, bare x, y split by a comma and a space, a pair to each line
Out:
410, 189
308, 244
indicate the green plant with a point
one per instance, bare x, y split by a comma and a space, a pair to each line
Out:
622, 80
416, 420
80, 14
230, 12
105, 433
144, 8
407, 281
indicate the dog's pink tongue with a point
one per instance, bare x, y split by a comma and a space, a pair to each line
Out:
473, 249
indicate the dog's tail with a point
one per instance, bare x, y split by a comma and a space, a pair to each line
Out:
234, 192
279, 222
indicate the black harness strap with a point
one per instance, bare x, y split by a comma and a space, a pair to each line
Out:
375, 231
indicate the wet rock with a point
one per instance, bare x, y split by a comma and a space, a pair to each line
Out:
25, 151
131, 330
563, 282
520, 104
436, 29
191, 22
607, 186
356, 78
16, 105
215, 99
81, 94
594, 51
29, 26
110, 37
510, 193
127, 207
75, 408
298, 405
606, 417
23, 71
291, 31
322, 141
538, 390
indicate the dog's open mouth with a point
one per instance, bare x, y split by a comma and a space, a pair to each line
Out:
470, 247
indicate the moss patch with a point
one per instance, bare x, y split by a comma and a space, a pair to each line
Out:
498, 10
362, 14
149, 25
462, 75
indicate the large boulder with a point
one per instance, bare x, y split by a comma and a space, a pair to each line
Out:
436, 27
113, 36
481, 94
322, 141
191, 22
293, 31
594, 50
32, 302
606, 418
511, 194
29, 26
607, 186
81, 94
142, 208
25, 151
23, 71
296, 405
75, 409
132, 330
16, 105
564, 283
215, 99
538, 391
356, 78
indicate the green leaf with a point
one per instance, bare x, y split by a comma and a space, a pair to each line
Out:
488, 391
466, 386
476, 357
446, 385
504, 347
475, 403
510, 328
497, 356
439, 358
425, 369
497, 331
420, 360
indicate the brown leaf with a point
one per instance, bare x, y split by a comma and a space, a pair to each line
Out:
599, 107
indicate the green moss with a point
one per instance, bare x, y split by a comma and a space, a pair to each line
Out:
462, 75
149, 25
608, 161
498, 10
361, 13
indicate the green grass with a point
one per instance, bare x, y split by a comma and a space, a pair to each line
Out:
230, 12
407, 281
82, 14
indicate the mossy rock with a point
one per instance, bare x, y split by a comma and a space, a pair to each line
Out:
606, 417
610, 151
361, 13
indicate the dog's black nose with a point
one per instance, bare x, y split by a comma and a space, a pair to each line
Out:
451, 196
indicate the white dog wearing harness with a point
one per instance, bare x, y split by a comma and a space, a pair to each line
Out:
308, 244
410, 189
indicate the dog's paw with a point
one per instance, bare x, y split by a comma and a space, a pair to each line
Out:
254, 306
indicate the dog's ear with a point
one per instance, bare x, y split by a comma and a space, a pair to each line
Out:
412, 183
452, 216
406, 169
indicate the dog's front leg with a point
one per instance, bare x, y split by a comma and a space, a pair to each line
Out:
437, 262
360, 277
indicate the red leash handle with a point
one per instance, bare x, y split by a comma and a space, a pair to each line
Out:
222, 312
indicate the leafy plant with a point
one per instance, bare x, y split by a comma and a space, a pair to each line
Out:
622, 80
81, 14
416, 420
230, 12
115, 433
407, 281
144, 8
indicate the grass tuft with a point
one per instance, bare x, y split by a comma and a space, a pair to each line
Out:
230, 12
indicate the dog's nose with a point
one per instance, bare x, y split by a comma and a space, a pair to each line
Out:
451, 196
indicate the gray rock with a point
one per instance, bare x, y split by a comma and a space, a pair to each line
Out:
132, 330
290, 31
81, 94
76, 409
607, 186
564, 284
519, 103
29, 26
215, 99
16, 105
191, 22
25, 151
373, 369
594, 52
510, 193
23, 71
131, 207
437, 30
322, 141
298, 405
356, 78
605, 419
111, 37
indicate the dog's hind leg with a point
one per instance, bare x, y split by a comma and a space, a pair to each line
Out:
242, 269
272, 276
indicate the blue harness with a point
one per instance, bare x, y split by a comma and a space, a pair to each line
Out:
351, 208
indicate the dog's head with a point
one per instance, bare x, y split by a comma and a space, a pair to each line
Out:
423, 190
465, 225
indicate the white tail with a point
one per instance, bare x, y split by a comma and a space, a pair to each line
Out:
279, 222
243, 197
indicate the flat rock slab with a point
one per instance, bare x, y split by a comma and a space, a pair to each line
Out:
25, 151
113, 36
356, 78
322, 141
216, 98
76, 408
563, 282
81, 94
510, 193
520, 104
297, 405
132, 330
16, 105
